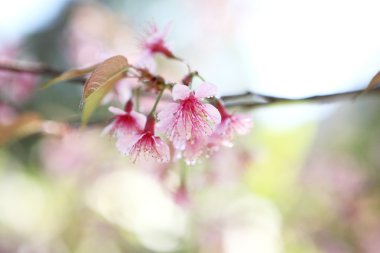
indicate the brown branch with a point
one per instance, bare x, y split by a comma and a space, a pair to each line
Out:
34, 69
27, 67
246, 100
251, 100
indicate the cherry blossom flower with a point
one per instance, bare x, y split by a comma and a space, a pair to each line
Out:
194, 150
144, 143
230, 125
225, 131
126, 122
189, 118
155, 43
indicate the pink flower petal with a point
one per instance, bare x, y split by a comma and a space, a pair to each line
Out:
231, 125
166, 29
155, 42
125, 143
205, 90
194, 150
147, 61
181, 134
242, 123
123, 90
165, 116
180, 92
140, 119
188, 120
168, 110
116, 111
108, 128
108, 98
163, 150
213, 113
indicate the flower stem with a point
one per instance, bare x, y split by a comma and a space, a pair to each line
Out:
157, 101
137, 99
196, 73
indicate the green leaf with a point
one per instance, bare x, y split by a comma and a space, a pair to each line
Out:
70, 74
101, 81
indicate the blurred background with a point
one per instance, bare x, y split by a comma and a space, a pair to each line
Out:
306, 179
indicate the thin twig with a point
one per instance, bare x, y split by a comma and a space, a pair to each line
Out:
27, 67
249, 100
246, 100
34, 69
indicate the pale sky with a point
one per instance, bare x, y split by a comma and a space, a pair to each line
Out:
303, 47
290, 48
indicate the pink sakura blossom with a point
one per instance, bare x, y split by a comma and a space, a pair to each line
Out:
189, 119
225, 131
155, 43
194, 149
145, 143
126, 122
230, 125
201, 148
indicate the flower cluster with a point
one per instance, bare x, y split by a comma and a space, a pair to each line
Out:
191, 122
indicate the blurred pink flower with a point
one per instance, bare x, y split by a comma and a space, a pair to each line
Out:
225, 131
155, 43
189, 118
14, 87
227, 167
126, 122
230, 125
78, 154
181, 196
145, 143
17, 88
194, 150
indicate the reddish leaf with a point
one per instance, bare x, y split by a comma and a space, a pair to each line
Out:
374, 82
101, 81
